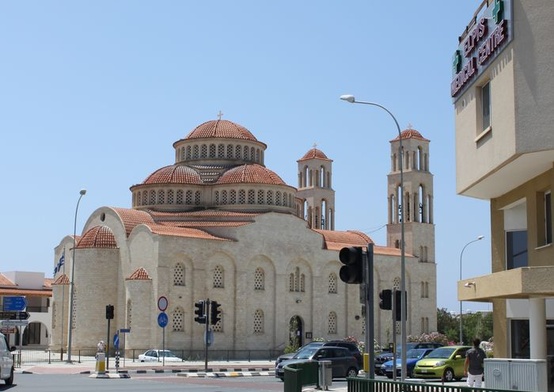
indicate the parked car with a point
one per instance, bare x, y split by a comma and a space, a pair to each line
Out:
388, 355
343, 363
6, 361
412, 356
445, 362
158, 356
352, 347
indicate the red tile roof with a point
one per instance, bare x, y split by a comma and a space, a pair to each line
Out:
97, 237
411, 133
132, 218
63, 279
250, 174
139, 274
314, 153
27, 292
174, 174
220, 129
335, 240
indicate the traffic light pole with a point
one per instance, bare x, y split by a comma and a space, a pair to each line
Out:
394, 346
369, 316
206, 333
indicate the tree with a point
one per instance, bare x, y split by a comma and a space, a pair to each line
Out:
478, 324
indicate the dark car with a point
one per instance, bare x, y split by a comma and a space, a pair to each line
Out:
352, 347
412, 356
388, 356
343, 363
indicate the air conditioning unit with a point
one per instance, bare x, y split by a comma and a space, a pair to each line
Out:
516, 374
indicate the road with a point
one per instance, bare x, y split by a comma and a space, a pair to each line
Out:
143, 383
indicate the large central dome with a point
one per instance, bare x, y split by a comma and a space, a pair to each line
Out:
218, 165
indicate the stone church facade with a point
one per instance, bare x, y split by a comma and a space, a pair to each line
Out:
217, 224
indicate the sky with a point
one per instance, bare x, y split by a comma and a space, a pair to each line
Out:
93, 94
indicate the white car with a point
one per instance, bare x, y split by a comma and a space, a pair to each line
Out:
6, 361
159, 356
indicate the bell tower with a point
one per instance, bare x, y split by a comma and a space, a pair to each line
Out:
317, 197
417, 208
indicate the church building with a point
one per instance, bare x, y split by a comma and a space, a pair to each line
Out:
218, 224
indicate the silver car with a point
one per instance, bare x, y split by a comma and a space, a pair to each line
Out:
6, 361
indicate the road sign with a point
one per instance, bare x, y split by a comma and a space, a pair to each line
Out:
14, 323
14, 304
162, 319
14, 315
125, 330
116, 341
162, 303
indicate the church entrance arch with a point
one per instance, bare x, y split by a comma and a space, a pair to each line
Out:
296, 332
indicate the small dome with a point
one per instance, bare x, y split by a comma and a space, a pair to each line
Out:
98, 237
221, 129
411, 133
250, 174
314, 153
174, 174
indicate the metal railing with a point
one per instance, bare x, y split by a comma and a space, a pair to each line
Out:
88, 354
358, 384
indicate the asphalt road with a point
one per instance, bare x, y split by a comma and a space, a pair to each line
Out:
143, 383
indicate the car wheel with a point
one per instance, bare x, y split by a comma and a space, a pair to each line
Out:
352, 372
9, 381
448, 375
389, 375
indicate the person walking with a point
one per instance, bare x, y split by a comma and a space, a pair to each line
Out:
474, 364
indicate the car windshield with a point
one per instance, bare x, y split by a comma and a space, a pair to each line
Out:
441, 352
305, 353
415, 353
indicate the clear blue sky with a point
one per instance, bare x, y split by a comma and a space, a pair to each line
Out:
94, 93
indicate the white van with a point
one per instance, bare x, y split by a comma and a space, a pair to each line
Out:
6, 361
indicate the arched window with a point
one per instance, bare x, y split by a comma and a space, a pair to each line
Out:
332, 283
129, 314
177, 319
259, 279
258, 321
218, 278
332, 323
179, 275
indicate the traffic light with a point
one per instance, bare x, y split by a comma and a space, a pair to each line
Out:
199, 312
398, 305
385, 299
109, 312
353, 269
215, 313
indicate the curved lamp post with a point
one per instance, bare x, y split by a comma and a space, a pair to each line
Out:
352, 99
461, 255
72, 280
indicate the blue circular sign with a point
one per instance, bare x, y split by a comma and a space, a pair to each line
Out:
162, 319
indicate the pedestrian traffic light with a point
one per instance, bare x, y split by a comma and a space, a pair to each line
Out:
353, 269
385, 299
199, 312
398, 305
215, 313
109, 312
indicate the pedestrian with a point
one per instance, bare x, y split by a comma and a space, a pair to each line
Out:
474, 364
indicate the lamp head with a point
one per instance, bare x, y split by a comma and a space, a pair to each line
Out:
83, 192
348, 98
480, 237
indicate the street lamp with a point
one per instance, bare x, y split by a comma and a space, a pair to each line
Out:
82, 192
352, 99
461, 255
